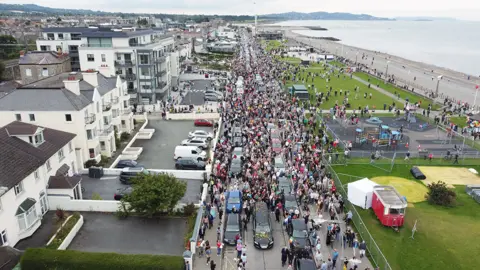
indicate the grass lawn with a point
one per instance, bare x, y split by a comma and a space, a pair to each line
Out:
344, 83
446, 238
460, 121
291, 60
337, 64
393, 89
273, 44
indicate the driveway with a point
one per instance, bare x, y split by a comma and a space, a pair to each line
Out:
108, 185
106, 233
159, 150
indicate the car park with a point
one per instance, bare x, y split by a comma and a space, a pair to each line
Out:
122, 192
129, 173
189, 164
194, 152
234, 199
199, 142
127, 163
200, 134
203, 123
232, 229
262, 227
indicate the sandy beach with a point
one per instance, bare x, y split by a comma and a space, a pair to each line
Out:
414, 74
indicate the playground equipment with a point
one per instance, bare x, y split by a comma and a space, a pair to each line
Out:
360, 137
386, 136
374, 120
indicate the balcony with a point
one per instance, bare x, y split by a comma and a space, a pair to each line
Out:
115, 100
161, 73
127, 111
107, 106
124, 63
129, 77
160, 59
146, 91
106, 131
90, 119
161, 85
115, 113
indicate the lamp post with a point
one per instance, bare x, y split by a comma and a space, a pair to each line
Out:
438, 84
386, 72
475, 100
356, 57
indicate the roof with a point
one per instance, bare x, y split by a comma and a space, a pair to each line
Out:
365, 185
49, 94
63, 182
299, 87
390, 197
43, 58
100, 32
21, 130
19, 159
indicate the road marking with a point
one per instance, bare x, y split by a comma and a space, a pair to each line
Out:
109, 178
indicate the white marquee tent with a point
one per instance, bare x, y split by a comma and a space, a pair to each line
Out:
360, 192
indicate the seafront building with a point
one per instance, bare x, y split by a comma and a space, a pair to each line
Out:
88, 104
36, 162
144, 58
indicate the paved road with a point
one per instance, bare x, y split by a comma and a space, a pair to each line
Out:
454, 84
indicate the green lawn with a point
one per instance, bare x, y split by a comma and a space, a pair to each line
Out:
291, 60
446, 238
460, 121
395, 90
273, 44
345, 83
337, 64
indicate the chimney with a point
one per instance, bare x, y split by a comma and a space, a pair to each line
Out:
91, 77
73, 85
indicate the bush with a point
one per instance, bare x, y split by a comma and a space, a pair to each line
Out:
189, 209
96, 197
124, 136
103, 161
64, 231
440, 194
91, 163
47, 259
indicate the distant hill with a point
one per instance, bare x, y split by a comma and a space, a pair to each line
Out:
32, 8
320, 15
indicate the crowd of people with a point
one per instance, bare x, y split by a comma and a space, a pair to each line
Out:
253, 121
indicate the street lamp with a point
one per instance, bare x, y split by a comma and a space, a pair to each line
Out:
438, 83
356, 57
475, 100
386, 72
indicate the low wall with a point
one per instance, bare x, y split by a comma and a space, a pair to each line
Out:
192, 116
181, 174
69, 238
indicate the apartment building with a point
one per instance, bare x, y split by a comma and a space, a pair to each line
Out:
36, 161
38, 65
142, 57
88, 104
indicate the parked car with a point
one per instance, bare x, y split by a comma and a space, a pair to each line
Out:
232, 229
262, 227
200, 142
304, 264
212, 97
129, 173
189, 164
236, 167
189, 152
234, 198
297, 225
127, 163
276, 146
200, 134
203, 123
122, 192
290, 202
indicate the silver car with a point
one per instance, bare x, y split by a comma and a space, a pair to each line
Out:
212, 97
200, 142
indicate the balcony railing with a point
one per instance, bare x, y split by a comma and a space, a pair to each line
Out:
160, 73
127, 110
129, 77
160, 59
115, 100
106, 106
90, 118
125, 63
106, 131
147, 91
131, 91
161, 85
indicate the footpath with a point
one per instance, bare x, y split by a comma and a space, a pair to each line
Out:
200, 262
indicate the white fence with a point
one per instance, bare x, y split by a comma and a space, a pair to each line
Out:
192, 116
69, 238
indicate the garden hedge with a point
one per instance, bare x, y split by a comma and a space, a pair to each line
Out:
47, 259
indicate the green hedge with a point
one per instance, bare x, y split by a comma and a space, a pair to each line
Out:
47, 259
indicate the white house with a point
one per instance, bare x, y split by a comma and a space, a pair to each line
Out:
36, 161
87, 104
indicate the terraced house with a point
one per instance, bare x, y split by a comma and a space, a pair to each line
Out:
88, 104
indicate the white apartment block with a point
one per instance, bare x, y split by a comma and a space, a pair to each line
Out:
143, 57
37, 162
88, 104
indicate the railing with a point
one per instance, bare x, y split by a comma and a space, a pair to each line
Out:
129, 77
115, 100
145, 90
161, 73
161, 85
107, 131
131, 91
97, 45
126, 63
90, 118
127, 110
106, 106
160, 59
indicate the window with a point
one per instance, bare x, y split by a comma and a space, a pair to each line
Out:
18, 117
90, 58
61, 156
60, 36
145, 71
59, 48
39, 138
144, 59
68, 117
47, 164
44, 48
45, 72
32, 117
104, 59
73, 167
36, 174
18, 188
28, 72
70, 147
27, 217
3, 238
90, 134
119, 57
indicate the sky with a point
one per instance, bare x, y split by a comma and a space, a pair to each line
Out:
460, 9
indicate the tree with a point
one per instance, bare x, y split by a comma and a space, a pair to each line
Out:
154, 193
440, 194
59, 19
8, 51
142, 22
2, 70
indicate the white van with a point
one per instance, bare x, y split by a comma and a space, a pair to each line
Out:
189, 152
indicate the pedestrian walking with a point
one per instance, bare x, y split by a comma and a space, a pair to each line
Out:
284, 256
362, 247
334, 258
219, 247
213, 265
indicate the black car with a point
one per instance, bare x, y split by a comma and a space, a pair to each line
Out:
232, 229
290, 202
129, 173
296, 225
304, 264
122, 192
189, 164
127, 163
262, 227
236, 166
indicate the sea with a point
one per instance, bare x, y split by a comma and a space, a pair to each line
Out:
449, 44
